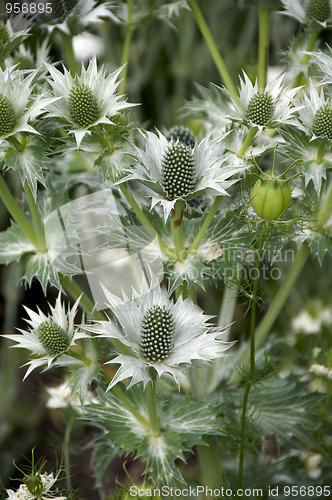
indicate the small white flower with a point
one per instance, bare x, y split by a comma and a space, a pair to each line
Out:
159, 334
39, 489
86, 100
260, 108
18, 105
173, 170
312, 321
309, 11
321, 370
48, 336
80, 13
61, 397
86, 46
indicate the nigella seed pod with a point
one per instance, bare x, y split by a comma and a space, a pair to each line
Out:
322, 125
178, 171
183, 135
157, 334
260, 108
318, 10
271, 197
7, 115
83, 105
53, 338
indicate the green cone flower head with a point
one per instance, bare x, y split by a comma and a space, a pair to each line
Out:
48, 336
83, 105
53, 338
183, 135
7, 115
157, 333
322, 125
178, 170
260, 108
318, 10
86, 100
23, 62
157, 340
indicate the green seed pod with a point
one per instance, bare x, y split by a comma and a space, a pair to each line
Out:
318, 10
7, 115
157, 339
83, 105
270, 197
53, 338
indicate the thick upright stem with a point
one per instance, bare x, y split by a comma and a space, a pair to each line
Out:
85, 303
219, 61
263, 48
205, 226
36, 217
177, 229
151, 402
306, 57
67, 41
126, 46
248, 141
16, 213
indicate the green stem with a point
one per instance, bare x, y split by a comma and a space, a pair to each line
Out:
320, 151
248, 141
326, 207
177, 228
305, 58
219, 61
66, 446
126, 47
263, 48
16, 143
36, 217
210, 464
80, 357
151, 402
85, 303
205, 226
16, 213
67, 41
144, 220
243, 428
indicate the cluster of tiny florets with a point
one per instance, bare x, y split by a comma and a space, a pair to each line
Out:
157, 334
322, 125
260, 108
178, 170
183, 135
62, 8
53, 338
318, 10
83, 105
7, 115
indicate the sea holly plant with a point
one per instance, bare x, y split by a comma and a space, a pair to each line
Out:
165, 257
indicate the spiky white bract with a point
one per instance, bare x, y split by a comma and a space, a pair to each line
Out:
24, 59
315, 115
295, 60
210, 175
193, 336
46, 483
85, 12
90, 98
18, 105
309, 11
324, 62
268, 108
59, 324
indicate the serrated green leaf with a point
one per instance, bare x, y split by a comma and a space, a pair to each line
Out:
82, 376
28, 163
104, 452
320, 244
14, 244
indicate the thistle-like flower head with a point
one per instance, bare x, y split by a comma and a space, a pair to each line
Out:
173, 170
309, 12
315, 115
18, 105
159, 334
262, 108
86, 100
48, 336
